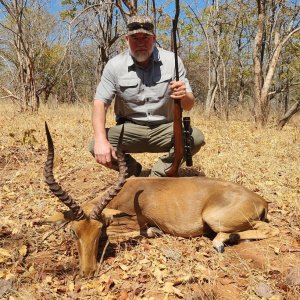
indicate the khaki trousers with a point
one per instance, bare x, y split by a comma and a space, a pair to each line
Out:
153, 139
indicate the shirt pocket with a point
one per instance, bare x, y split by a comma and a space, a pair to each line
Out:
129, 89
161, 87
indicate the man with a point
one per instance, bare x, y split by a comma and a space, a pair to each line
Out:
141, 82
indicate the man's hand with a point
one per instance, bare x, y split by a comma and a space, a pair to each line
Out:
104, 152
178, 89
178, 92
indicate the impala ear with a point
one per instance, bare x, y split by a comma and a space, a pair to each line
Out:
106, 220
109, 215
60, 218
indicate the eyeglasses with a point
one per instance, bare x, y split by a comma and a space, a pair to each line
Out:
136, 26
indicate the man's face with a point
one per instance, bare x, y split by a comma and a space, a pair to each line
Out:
141, 46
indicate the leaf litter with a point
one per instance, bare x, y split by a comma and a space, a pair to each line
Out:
264, 160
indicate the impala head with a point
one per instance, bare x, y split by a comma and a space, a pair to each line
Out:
86, 227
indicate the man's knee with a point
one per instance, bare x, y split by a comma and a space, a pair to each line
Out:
198, 140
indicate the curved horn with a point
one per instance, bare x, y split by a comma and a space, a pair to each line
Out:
54, 186
114, 190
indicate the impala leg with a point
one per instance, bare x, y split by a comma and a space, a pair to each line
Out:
265, 229
260, 231
222, 237
147, 230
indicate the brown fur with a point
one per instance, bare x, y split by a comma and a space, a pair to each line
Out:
183, 207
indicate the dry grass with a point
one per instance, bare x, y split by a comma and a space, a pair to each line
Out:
264, 160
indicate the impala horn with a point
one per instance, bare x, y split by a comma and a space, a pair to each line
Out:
77, 212
114, 190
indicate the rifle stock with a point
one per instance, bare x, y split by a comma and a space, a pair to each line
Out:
172, 171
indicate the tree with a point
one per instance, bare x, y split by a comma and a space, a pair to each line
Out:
94, 28
26, 27
293, 110
276, 25
223, 24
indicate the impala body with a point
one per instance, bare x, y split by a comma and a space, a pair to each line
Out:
185, 207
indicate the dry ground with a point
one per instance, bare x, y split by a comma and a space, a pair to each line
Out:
264, 160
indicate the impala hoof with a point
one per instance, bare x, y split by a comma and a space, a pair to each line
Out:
220, 248
154, 232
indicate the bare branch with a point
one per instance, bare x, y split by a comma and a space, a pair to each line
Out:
9, 93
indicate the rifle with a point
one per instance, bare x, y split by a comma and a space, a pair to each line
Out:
172, 171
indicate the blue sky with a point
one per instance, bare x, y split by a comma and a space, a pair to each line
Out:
55, 5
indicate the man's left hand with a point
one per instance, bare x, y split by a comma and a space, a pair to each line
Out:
178, 90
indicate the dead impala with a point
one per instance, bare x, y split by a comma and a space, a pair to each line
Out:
184, 206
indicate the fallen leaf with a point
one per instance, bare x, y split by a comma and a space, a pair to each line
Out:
124, 267
275, 249
158, 274
23, 250
5, 285
4, 253
183, 279
62, 289
226, 280
169, 288
104, 278
15, 231
143, 277
31, 269
48, 279
138, 289
263, 290
5, 188
293, 276
162, 266
269, 182
129, 256
123, 295
9, 276
109, 285
144, 261
71, 286
275, 297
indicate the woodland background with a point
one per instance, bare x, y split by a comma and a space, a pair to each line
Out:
240, 55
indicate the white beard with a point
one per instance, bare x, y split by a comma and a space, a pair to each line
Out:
141, 56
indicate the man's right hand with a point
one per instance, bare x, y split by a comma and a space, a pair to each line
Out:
104, 152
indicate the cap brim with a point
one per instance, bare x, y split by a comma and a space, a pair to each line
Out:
141, 30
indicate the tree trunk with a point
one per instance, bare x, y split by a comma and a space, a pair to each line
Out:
263, 82
293, 110
211, 94
260, 104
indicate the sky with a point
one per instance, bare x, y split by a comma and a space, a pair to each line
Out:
55, 5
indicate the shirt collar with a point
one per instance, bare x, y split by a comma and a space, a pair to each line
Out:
130, 61
156, 56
